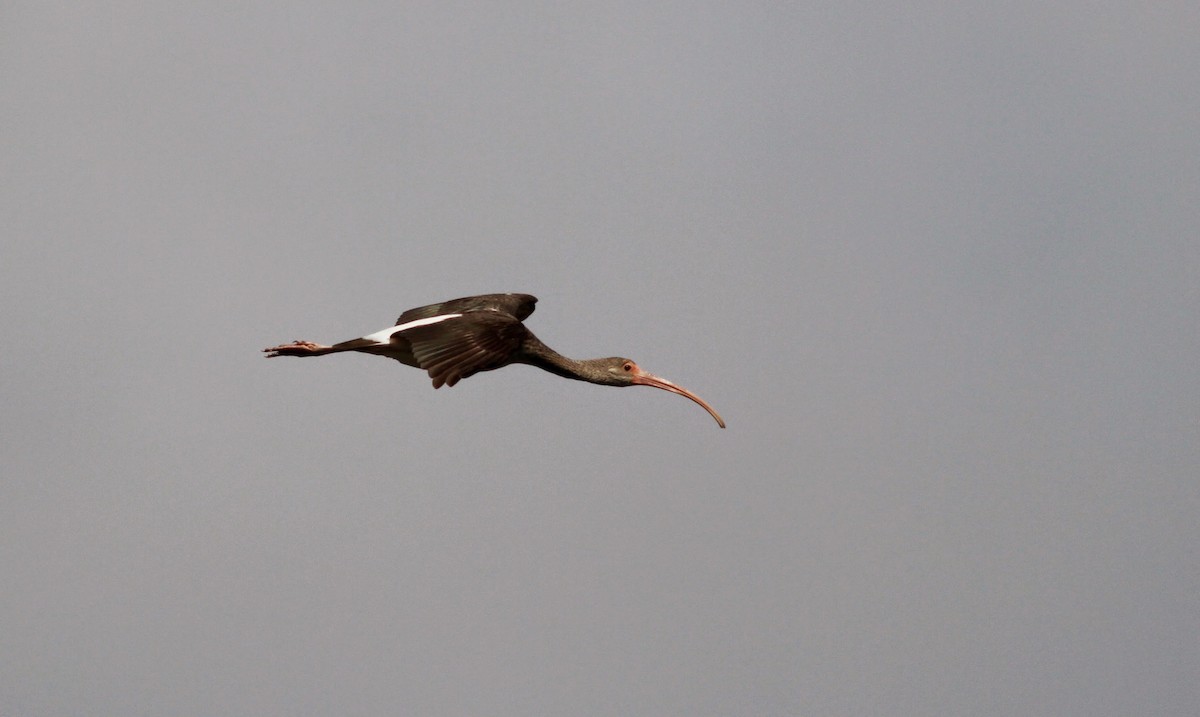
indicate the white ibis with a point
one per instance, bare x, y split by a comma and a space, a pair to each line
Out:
459, 338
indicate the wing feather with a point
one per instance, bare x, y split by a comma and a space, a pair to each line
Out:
519, 306
460, 347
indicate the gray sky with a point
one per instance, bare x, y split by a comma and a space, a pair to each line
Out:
937, 267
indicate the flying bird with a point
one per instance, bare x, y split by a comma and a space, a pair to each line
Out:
461, 337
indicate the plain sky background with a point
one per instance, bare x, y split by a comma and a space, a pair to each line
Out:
938, 266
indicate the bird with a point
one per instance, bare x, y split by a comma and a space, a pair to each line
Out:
459, 338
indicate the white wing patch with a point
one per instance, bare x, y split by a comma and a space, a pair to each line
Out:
385, 336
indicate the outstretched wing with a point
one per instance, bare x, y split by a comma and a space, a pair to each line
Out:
518, 306
461, 346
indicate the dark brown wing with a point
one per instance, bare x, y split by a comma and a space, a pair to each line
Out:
519, 306
456, 348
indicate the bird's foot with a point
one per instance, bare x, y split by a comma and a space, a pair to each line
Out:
296, 348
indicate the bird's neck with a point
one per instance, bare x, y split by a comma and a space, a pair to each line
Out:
536, 353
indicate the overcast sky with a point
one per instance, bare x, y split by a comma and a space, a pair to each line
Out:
938, 267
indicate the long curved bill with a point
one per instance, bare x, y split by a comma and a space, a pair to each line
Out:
641, 378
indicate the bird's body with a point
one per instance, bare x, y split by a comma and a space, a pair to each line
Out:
455, 339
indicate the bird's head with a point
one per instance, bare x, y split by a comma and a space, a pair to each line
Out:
617, 371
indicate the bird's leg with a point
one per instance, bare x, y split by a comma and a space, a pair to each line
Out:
297, 348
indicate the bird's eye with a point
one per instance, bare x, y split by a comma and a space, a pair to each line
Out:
628, 366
